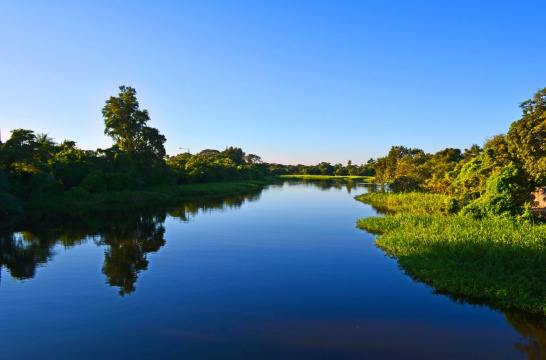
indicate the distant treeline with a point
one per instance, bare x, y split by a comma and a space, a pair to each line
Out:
497, 179
324, 168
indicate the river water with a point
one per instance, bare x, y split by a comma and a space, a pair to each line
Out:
281, 273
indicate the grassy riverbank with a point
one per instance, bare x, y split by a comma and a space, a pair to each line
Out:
500, 262
367, 179
77, 200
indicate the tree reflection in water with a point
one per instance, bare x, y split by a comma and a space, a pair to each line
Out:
533, 329
325, 185
126, 248
128, 236
21, 253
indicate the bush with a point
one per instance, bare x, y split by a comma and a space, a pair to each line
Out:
497, 199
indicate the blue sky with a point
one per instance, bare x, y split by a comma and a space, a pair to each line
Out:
291, 81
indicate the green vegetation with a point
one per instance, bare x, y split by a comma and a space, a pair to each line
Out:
35, 171
415, 202
496, 180
498, 261
325, 169
367, 179
462, 222
78, 200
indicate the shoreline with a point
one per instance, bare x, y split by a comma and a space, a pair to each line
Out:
78, 201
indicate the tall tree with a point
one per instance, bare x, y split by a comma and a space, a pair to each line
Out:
125, 122
527, 137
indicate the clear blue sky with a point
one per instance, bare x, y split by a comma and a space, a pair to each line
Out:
291, 81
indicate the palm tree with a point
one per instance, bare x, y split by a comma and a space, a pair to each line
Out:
46, 146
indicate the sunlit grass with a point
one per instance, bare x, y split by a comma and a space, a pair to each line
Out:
414, 202
497, 261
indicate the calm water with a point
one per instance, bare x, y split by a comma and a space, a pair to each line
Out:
277, 274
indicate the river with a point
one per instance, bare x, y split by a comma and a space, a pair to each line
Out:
281, 273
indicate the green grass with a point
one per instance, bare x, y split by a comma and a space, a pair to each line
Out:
162, 195
368, 179
494, 261
414, 202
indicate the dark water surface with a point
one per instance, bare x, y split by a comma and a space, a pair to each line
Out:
277, 274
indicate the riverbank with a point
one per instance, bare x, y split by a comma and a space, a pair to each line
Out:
367, 179
76, 200
498, 262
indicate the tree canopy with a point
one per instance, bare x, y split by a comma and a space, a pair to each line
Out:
527, 137
126, 123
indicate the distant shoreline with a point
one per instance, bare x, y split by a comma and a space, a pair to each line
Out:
367, 179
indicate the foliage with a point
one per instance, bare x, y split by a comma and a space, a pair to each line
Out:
495, 260
440, 167
125, 122
498, 144
323, 169
386, 167
405, 183
20, 152
496, 199
526, 138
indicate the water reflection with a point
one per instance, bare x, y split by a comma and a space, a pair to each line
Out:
22, 253
326, 185
128, 237
533, 330
126, 248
